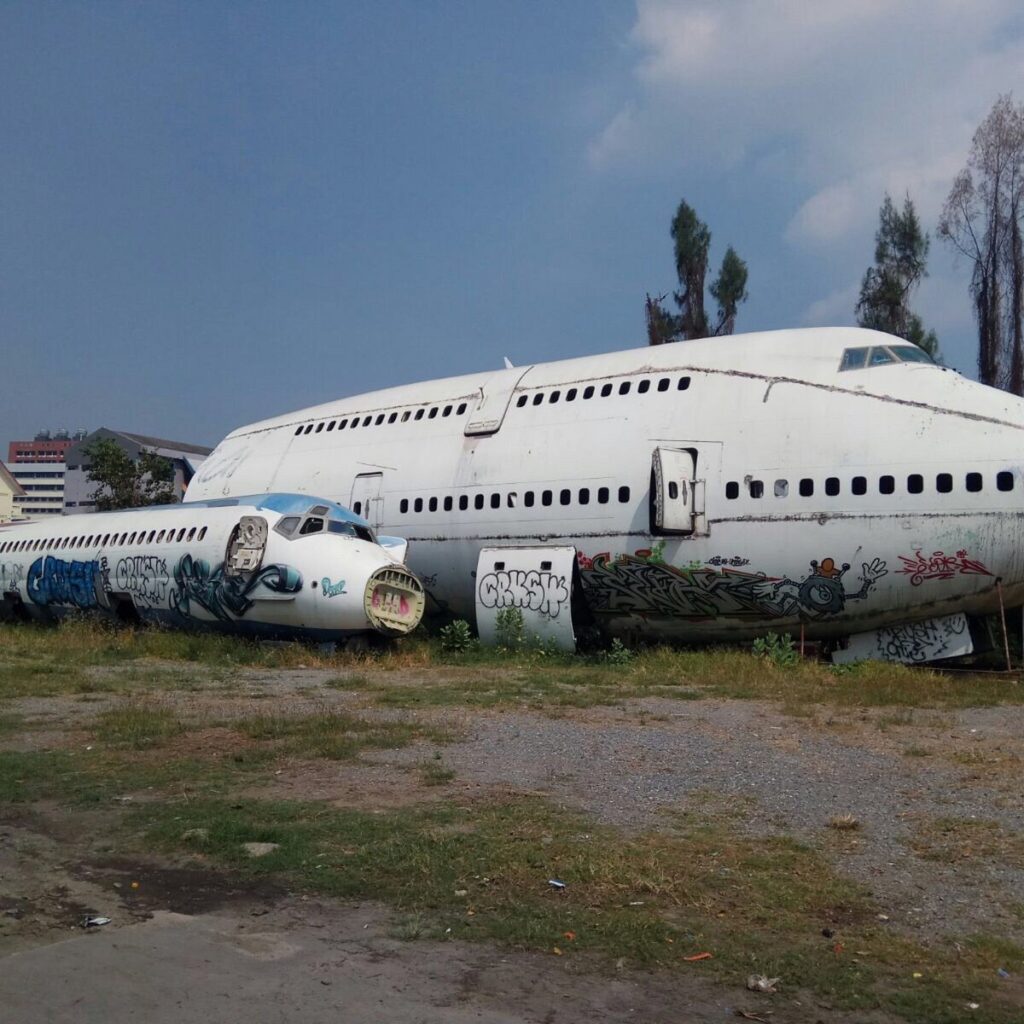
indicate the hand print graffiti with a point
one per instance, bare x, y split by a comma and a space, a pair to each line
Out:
630, 585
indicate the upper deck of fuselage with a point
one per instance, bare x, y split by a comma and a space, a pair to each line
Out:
809, 356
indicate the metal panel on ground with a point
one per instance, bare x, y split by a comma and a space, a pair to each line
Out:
537, 581
911, 642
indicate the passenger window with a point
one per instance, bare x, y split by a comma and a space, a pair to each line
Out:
448, 503
406, 415
1004, 480
463, 502
673, 490
461, 409
191, 535
367, 420
202, 533
432, 413
379, 420
343, 424
832, 486
684, 383
528, 499
159, 537
781, 488
554, 396
623, 495
859, 485
392, 417
806, 488
417, 505
319, 427
643, 387
495, 500
511, 499
478, 501
606, 390
664, 384
358, 508
545, 497
432, 505
419, 413
732, 490
564, 496
403, 506
584, 495
756, 488
570, 395
309, 428
624, 388
588, 391
521, 401
298, 430
886, 484
915, 483
602, 495
944, 483
447, 411
538, 398
974, 482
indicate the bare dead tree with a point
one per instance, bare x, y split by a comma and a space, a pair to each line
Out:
981, 220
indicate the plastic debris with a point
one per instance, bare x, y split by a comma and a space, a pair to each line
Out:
556, 883
883, 917
974, 1006
1003, 972
571, 936
556, 951
918, 974
759, 983
461, 892
636, 903
260, 849
697, 956
90, 921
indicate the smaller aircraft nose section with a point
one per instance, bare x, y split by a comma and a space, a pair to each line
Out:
394, 600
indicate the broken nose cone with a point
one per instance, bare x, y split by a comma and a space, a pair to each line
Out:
394, 601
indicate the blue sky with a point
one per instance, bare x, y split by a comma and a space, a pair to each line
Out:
215, 212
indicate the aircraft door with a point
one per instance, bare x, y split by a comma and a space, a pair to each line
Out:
246, 546
495, 396
674, 490
367, 500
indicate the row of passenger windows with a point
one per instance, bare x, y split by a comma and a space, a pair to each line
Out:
365, 421
915, 484
642, 387
510, 499
570, 395
184, 535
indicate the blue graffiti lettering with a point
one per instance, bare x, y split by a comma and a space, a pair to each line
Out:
329, 589
54, 581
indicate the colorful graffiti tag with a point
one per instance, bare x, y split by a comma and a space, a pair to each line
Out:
628, 585
939, 566
542, 592
144, 577
225, 597
329, 589
54, 581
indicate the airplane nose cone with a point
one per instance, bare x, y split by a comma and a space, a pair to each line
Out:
394, 600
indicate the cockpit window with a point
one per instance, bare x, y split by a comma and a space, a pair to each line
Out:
854, 359
350, 530
312, 525
880, 355
287, 525
910, 354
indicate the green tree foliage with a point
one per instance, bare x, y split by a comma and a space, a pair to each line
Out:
124, 483
901, 255
983, 220
692, 242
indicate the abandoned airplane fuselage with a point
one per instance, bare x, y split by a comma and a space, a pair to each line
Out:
714, 489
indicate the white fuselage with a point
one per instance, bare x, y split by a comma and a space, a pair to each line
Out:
843, 499
225, 567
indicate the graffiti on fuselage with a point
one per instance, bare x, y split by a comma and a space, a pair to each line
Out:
52, 581
225, 597
939, 566
144, 577
628, 585
12, 575
528, 589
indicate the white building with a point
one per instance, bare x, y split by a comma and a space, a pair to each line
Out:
43, 487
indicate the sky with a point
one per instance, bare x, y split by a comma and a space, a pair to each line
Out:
211, 213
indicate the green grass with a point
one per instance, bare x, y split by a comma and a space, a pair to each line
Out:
435, 772
332, 734
953, 840
757, 904
137, 726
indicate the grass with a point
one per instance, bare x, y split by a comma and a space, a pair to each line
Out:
137, 726
84, 656
953, 840
334, 735
757, 904
435, 772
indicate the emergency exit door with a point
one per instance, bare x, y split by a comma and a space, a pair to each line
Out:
674, 490
367, 500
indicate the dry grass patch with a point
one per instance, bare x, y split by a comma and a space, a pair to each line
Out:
958, 840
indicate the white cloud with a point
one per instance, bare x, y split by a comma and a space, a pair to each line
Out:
865, 97
835, 308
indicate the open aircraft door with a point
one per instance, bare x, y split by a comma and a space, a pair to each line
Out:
676, 493
540, 582
367, 500
495, 396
